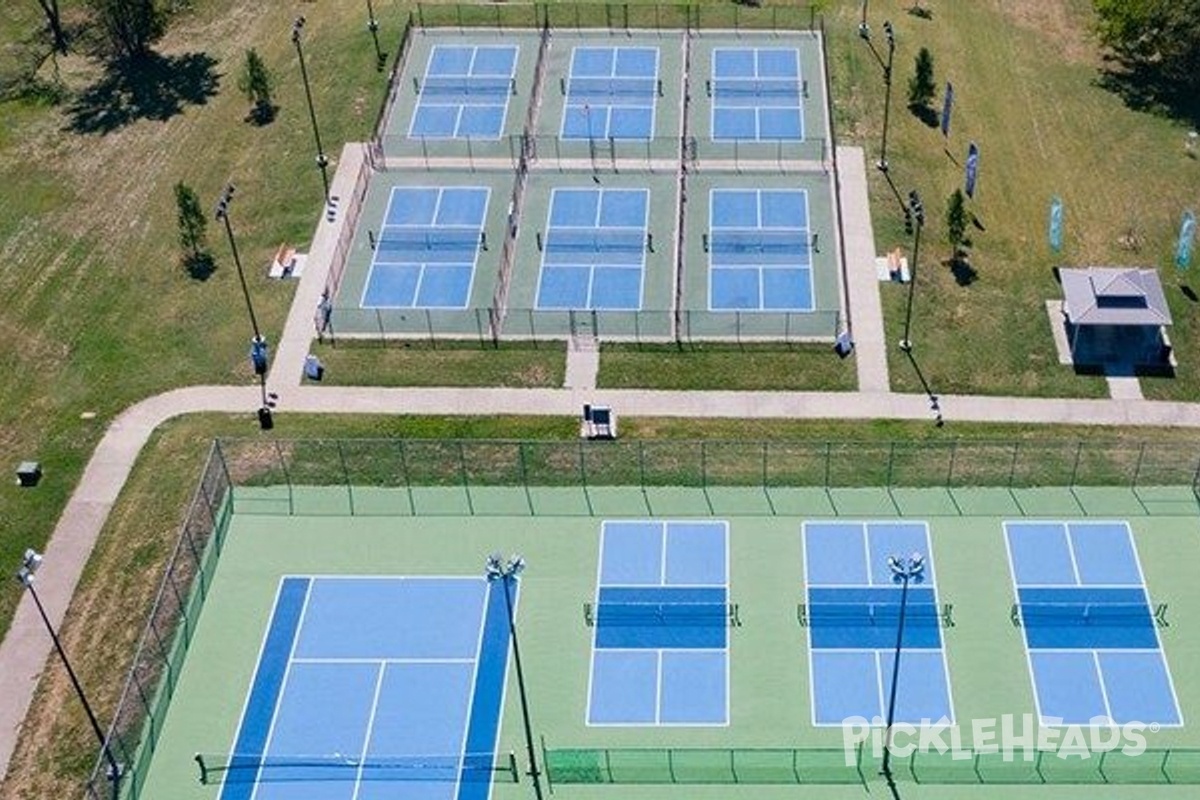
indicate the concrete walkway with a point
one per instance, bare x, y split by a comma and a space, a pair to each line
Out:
862, 284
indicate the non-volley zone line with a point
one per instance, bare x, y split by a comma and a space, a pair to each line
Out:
345, 702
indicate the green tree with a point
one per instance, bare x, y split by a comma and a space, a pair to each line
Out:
131, 26
1158, 38
256, 83
920, 86
956, 222
192, 224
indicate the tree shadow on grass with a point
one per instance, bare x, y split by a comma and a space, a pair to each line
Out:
925, 114
1144, 88
155, 87
200, 266
964, 274
262, 114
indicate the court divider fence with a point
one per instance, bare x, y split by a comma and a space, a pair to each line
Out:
142, 707
281, 471
783, 766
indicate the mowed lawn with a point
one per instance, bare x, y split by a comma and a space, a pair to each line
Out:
98, 311
1025, 75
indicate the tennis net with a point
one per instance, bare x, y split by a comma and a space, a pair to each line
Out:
840, 615
596, 239
751, 87
466, 86
1069, 614
757, 241
255, 768
681, 614
403, 239
640, 88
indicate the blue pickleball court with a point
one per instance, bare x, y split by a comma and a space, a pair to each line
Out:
1090, 630
759, 250
660, 653
594, 249
427, 248
757, 94
464, 92
852, 608
610, 93
374, 688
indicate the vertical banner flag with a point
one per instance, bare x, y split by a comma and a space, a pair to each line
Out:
972, 168
947, 107
1187, 234
1056, 224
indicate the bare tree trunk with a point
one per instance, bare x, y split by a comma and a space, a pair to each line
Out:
54, 20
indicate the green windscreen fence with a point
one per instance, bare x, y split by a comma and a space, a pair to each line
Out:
712, 766
782, 766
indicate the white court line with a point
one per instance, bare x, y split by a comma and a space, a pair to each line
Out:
662, 559
283, 684
1012, 575
401, 660
262, 647
362, 755
1066, 532
1103, 689
466, 723
658, 688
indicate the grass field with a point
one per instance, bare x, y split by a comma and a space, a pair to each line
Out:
1025, 77
443, 363
725, 366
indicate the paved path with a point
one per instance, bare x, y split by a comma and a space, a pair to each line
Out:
861, 281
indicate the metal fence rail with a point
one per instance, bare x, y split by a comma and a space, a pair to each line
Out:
618, 16
138, 719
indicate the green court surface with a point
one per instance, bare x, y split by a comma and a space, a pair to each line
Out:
277, 531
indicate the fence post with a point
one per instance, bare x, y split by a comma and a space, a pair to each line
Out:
525, 477
1075, 465
412, 506
462, 472
1137, 469
287, 479
587, 498
346, 475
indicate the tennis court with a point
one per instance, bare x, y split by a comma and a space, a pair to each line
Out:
594, 249
759, 250
610, 93
660, 655
366, 609
756, 94
426, 250
852, 615
464, 92
1089, 626
345, 702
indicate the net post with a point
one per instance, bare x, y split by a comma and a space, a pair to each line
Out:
546, 762
199, 759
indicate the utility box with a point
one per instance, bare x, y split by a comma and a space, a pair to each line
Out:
29, 473
599, 422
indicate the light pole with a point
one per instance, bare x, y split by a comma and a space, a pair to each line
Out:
497, 569
25, 576
258, 344
905, 570
373, 27
914, 221
887, 96
864, 30
322, 162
